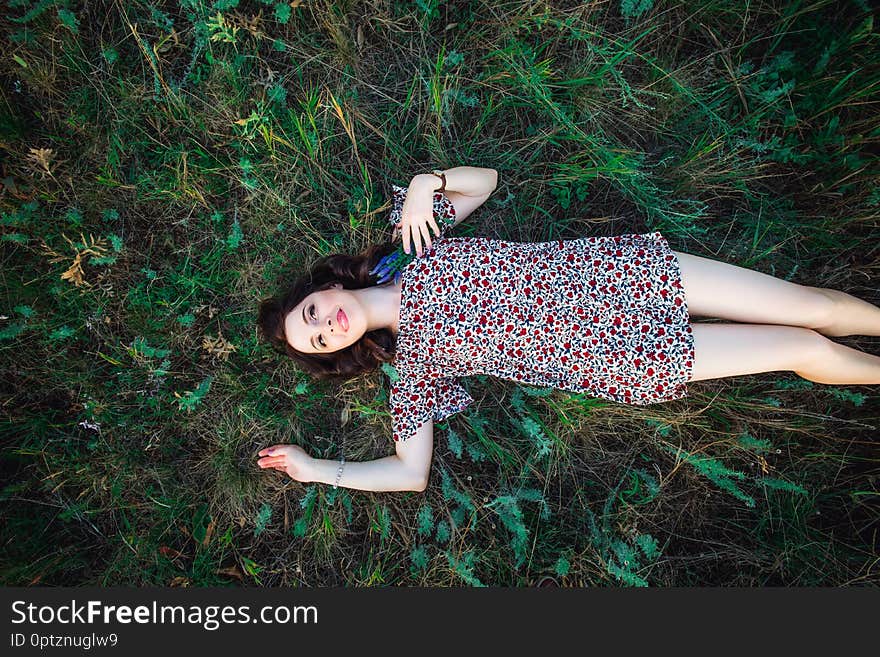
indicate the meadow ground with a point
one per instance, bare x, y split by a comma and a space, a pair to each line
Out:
166, 166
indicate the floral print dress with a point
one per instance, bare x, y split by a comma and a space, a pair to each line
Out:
605, 316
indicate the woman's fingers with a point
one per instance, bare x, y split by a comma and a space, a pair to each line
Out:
426, 238
418, 236
275, 457
271, 462
279, 464
406, 236
434, 226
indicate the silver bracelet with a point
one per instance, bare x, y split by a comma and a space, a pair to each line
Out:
339, 471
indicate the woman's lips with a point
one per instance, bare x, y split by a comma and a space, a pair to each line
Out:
342, 320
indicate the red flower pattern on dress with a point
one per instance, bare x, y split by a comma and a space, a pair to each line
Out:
605, 316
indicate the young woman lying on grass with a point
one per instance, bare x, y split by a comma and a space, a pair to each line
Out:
609, 316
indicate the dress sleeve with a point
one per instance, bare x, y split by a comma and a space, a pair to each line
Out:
415, 399
451, 398
444, 210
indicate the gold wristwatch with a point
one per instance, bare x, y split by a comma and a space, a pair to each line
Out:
441, 176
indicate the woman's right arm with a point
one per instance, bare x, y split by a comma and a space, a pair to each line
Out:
408, 469
386, 474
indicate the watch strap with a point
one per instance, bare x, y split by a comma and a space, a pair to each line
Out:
441, 176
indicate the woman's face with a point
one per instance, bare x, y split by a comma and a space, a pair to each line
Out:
325, 322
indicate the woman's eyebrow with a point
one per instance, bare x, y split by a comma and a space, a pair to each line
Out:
312, 338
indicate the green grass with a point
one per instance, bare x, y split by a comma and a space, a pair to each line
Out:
196, 156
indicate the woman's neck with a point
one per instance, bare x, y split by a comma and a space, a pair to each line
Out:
381, 303
396, 297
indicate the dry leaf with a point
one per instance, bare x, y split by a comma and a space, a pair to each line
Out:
75, 272
47, 251
171, 553
208, 532
231, 571
217, 346
42, 158
252, 24
211, 310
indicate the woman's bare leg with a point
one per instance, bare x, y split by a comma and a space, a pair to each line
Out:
722, 350
718, 289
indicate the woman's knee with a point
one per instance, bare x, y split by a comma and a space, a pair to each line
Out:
722, 350
827, 306
816, 349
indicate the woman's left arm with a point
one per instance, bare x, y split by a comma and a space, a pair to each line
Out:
468, 181
467, 188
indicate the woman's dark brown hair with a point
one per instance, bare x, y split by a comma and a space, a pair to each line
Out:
352, 271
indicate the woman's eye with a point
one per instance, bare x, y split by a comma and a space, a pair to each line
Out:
311, 314
321, 341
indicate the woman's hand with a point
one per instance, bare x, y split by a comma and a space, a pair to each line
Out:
416, 216
291, 459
